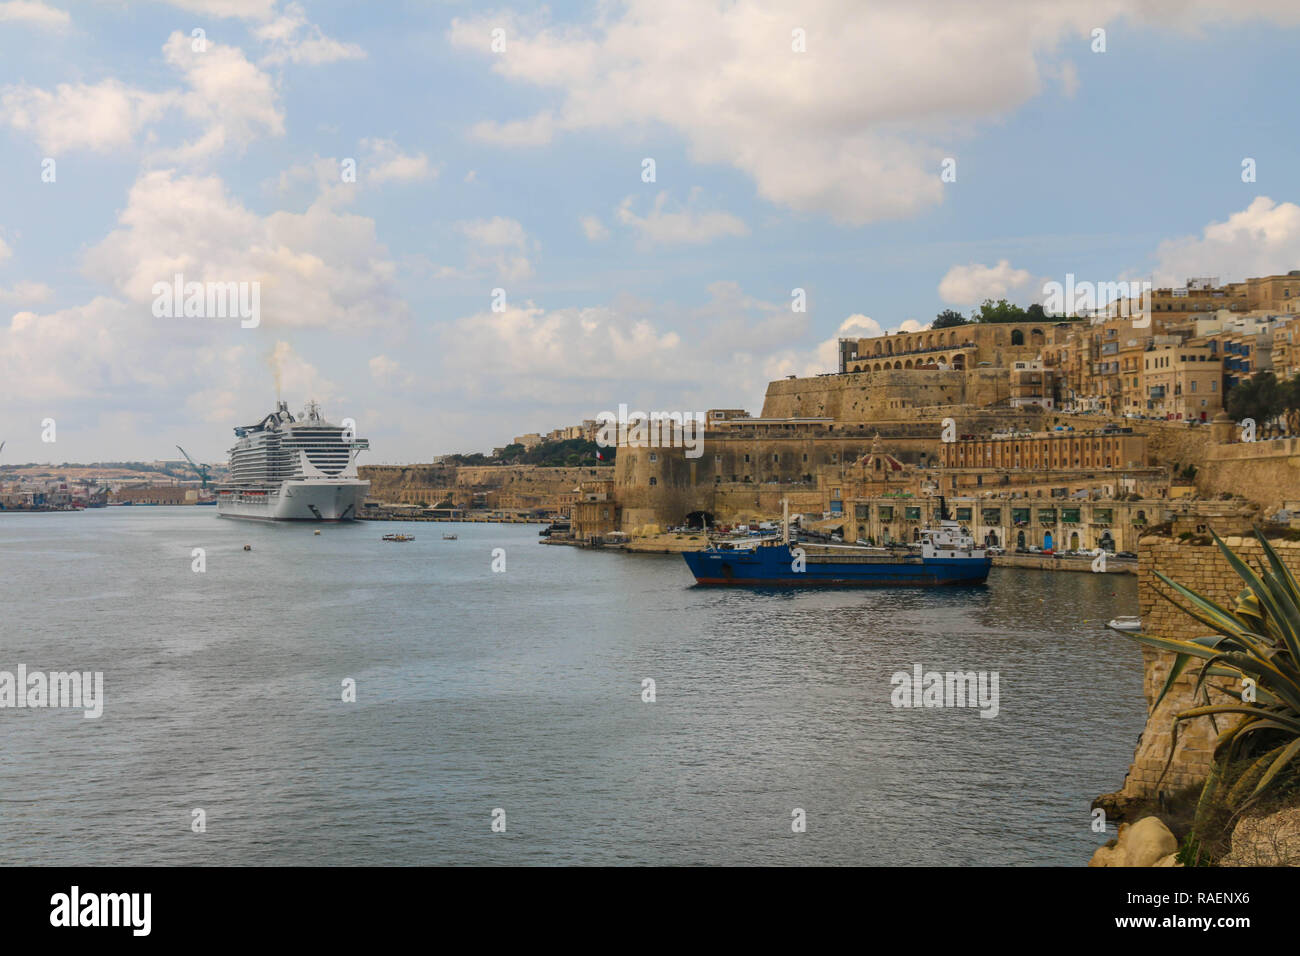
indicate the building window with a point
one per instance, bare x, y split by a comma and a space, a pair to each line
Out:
653, 481
653, 457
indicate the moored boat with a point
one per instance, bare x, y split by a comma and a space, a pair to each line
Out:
947, 555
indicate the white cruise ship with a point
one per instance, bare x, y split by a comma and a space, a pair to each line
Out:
294, 469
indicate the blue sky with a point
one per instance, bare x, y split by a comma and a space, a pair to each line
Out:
775, 169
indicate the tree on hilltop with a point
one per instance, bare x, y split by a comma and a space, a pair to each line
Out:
948, 318
999, 311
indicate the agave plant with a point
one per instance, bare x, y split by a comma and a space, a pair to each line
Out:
1258, 640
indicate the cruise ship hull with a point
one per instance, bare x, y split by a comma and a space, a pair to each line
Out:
773, 566
304, 500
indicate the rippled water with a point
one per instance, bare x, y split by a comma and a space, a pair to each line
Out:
522, 691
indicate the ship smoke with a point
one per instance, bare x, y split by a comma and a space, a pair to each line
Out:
275, 360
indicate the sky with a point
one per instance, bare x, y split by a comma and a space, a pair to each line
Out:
465, 222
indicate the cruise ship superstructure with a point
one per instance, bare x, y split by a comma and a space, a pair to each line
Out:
294, 469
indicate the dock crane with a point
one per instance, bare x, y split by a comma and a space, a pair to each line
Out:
200, 470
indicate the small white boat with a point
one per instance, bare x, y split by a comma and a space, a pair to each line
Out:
449, 537
1126, 622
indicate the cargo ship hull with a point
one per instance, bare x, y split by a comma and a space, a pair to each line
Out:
775, 566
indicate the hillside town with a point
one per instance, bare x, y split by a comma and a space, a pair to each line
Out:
1045, 435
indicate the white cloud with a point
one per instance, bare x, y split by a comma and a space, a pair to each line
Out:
594, 229
497, 231
499, 243
25, 292
241, 9
387, 163
973, 283
686, 357
231, 99
294, 376
825, 356
1069, 79
5, 250
534, 131
684, 224
293, 40
1262, 239
79, 353
389, 372
316, 268
854, 128
229, 96
35, 13
98, 117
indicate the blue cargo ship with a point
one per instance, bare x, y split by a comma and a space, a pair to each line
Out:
947, 555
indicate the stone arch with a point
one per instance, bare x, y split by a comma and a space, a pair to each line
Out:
907, 364
699, 519
1017, 337
898, 365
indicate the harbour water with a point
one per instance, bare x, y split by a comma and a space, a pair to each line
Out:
522, 690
